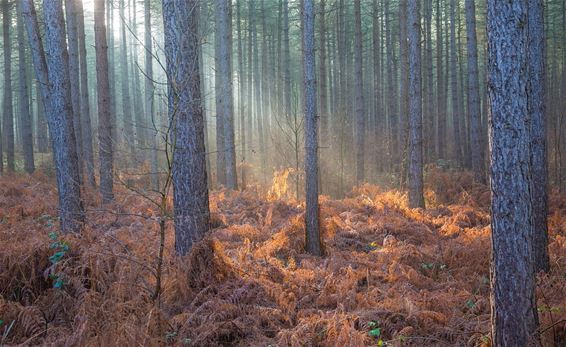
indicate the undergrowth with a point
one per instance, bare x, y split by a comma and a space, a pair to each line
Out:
392, 276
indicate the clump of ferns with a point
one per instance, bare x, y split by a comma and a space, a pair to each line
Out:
61, 249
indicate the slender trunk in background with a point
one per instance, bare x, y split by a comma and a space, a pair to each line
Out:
457, 150
190, 192
126, 102
359, 95
403, 89
104, 105
313, 243
428, 88
323, 89
8, 117
241, 89
153, 130
440, 98
514, 315
286, 59
262, 149
25, 115
86, 126
224, 91
379, 125
112, 72
416, 198
220, 140
42, 131
51, 72
537, 112
72, 39
473, 93
141, 126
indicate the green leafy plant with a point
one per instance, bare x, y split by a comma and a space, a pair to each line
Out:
375, 331
61, 249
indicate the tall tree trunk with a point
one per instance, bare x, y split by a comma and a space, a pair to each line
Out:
42, 131
241, 89
86, 126
440, 102
286, 59
359, 95
416, 198
25, 115
377, 87
403, 89
514, 314
219, 108
190, 192
141, 127
457, 149
153, 130
224, 90
537, 112
72, 39
105, 122
51, 71
8, 120
126, 102
473, 93
313, 243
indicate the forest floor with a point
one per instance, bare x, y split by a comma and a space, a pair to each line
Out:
391, 275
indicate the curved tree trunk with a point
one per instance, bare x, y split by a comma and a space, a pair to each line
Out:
51, 71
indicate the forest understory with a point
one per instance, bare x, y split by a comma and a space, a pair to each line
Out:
390, 275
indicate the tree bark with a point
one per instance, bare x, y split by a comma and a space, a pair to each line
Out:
537, 112
313, 243
359, 95
51, 71
25, 115
73, 44
8, 118
514, 314
473, 93
105, 122
190, 192
224, 91
86, 126
416, 198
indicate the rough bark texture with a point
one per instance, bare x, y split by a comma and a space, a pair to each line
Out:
514, 314
359, 95
73, 42
190, 193
537, 111
25, 114
224, 90
8, 117
86, 126
473, 93
313, 244
51, 71
415, 108
103, 99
